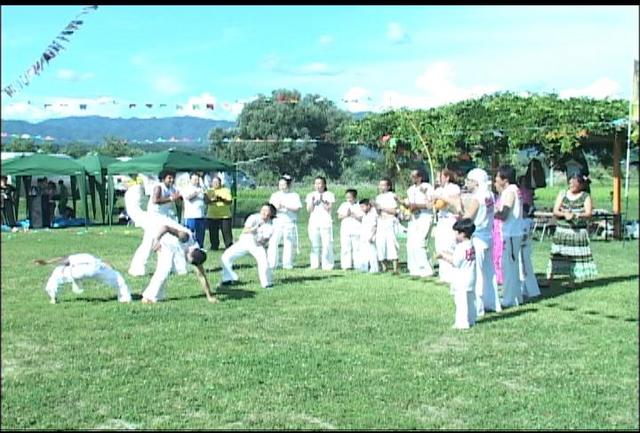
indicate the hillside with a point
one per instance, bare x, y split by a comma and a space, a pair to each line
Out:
93, 129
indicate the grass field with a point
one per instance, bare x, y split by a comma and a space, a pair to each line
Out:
322, 350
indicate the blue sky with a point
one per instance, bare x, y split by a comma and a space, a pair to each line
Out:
364, 58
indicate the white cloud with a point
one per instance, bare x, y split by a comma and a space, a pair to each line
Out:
55, 107
71, 75
396, 33
167, 84
357, 99
196, 106
599, 89
325, 40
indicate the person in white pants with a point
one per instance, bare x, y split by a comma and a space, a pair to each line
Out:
480, 208
254, 238
367, 259
510, 213
448, 193
285, 226
464, 278
161, 202
420, 202
173, 240
349, 214
530, 287
320, 227
386, 203
76, 267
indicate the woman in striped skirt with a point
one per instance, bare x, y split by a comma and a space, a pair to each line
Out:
571, 250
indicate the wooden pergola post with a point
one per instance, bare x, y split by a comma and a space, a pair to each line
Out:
617, 182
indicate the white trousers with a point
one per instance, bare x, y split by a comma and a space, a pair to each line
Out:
465, 315
530, 287
386, 239
288, 232
417, 259
367, 258
138, 266
512, 286
155, 291
486, 288
349, 249
445, 241
90, 270
246, 244
321, 247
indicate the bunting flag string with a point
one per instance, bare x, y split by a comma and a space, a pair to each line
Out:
84, 106
49, 53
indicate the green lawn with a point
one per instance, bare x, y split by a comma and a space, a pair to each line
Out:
322, 350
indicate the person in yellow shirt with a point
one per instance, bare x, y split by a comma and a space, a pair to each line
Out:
218, 199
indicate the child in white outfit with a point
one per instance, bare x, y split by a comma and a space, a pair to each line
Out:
463, 282
368, 255
349, 213
254, 239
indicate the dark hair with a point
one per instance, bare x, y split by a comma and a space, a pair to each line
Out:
272, 208
165, 173
507, 172
324, 181
450, 174
353, 192
198, 257
466, 226
364, 201
421, 174
286, 178
386, 179
582, 179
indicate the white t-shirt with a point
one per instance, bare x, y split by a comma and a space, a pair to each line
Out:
319, 216
450, 190
350, 224
194, 207
290, 200
264, 229
368, 226
484, 217
464, 260
168, 208
386, 200
420, 194
512, 225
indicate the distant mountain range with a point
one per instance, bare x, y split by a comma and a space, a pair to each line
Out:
93, 129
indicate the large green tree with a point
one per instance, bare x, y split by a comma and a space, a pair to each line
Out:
286, 132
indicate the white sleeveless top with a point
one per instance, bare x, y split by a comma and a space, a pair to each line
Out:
512, 225
168, 208
484, 217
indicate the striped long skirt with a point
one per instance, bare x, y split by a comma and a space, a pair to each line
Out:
571, 254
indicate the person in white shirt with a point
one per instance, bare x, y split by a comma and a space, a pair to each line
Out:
285, 226
386, 203
254, 238
447, 201
349, 214
173, 243
320, 226
161, 202
367, 258
510, 213
480, 208
420, 202
194, 207
76, 267
463, 281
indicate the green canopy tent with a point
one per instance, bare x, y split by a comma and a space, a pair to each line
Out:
172, 159
24, 167
96, 167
